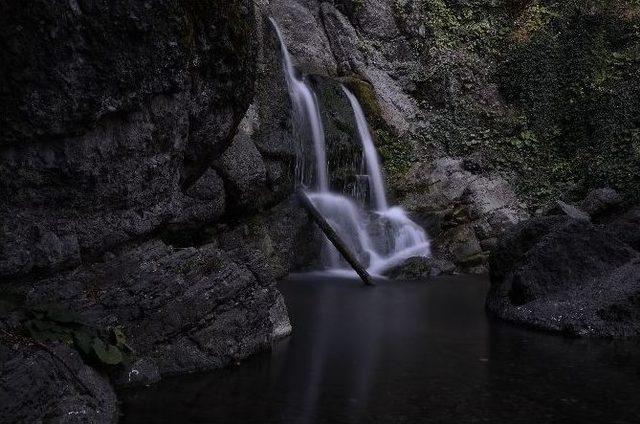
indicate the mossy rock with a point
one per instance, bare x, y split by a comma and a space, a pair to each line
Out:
366, 95
547, 91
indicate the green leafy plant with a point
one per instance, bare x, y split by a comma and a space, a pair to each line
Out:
51, 322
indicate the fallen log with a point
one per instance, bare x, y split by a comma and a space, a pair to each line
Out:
334, 238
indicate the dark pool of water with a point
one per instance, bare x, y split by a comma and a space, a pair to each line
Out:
404, 353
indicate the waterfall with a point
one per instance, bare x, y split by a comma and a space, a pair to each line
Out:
381, 238
305, 105
370, 155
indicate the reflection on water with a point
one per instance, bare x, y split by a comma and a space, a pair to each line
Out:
404, 353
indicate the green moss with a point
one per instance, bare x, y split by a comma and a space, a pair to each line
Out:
397, 155
578, 82
366, 95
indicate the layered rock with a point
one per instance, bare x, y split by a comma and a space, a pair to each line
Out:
51, 385
463, 207
113, 115
184, 309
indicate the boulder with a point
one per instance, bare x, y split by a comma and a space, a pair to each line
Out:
563, 274
51, 384
601, 202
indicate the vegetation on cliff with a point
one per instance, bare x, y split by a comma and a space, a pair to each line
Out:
548, 91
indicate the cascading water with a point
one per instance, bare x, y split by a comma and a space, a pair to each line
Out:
370, 155
305, 105
381, 238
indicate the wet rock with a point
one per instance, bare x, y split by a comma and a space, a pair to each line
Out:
296, 239
52, 385
561, 274
418, 268
279, 317
143, 371
461, 242
303, 31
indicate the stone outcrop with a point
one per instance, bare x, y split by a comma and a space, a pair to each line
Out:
463, 208
326, 41
184, 309
113, 116
368, 48
421, 268
600, 203
568, 275
51, 385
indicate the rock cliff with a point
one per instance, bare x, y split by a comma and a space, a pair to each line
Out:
136, 193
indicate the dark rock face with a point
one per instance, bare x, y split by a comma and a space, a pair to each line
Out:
52, 386
601, 202
184, 309
112, 114
562, 274
139, 188
625, 227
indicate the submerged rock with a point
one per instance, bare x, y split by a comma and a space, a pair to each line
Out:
567, 275
419, 268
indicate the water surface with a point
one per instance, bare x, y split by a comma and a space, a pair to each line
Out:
421, 352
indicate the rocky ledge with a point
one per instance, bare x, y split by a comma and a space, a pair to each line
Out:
564, 273
51, 384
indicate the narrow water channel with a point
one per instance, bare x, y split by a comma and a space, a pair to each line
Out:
421, 352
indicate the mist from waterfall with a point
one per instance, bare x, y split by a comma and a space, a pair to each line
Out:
381, 238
